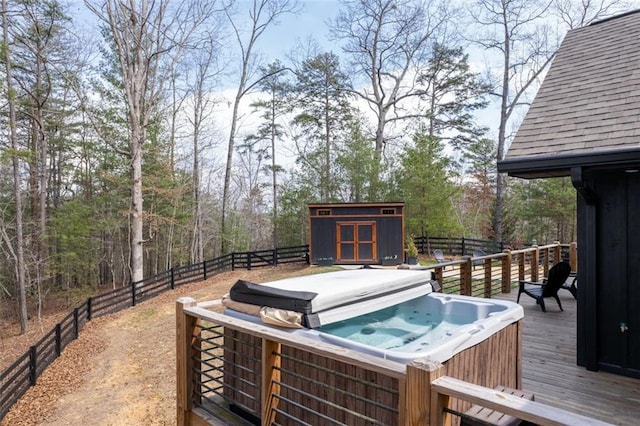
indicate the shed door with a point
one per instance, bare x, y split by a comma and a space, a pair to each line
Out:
356, 241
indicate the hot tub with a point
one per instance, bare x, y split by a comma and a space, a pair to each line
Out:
390, 314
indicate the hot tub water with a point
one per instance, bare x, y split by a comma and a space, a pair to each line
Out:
419, 323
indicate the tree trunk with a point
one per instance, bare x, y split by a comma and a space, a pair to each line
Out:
502, 130
17, 192
137, 266
228, 166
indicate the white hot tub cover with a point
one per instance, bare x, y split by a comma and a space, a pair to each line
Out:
332, 295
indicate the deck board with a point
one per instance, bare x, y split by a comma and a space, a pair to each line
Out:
549, 366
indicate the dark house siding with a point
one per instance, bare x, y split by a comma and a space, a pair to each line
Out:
617, 276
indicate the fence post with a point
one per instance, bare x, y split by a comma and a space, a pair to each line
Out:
248, 261
465, 276
464, 249
185, 327
76, 326
275, 256
173, 278
204, 270
506, 271
417, 392
33, 365
233, 261
58, 339
133, 294
573, 256
89, 309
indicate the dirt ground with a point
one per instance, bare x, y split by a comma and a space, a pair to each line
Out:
121, 370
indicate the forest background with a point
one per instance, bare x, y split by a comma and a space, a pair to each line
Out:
144, 134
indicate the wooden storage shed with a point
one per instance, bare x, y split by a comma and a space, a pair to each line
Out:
585, 123
356, 233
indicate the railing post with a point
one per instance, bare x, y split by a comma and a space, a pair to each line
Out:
545, 261
418, 398
557, 252
506, 271
270, 380
439, 277
521, 265
487, 266
185, 329
573, 256
535, 258
465, 276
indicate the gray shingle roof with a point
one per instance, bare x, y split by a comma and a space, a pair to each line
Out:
589, 102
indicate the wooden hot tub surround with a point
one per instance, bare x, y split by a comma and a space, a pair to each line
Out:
269, 374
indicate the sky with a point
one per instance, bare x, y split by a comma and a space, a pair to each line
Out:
312, 21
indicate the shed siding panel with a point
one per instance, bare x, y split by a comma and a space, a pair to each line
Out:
389, 228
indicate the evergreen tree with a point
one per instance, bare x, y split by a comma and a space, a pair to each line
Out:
424, 183
270, 130
293, 219
354, 163
451, 93
478, 196
324, 111
545, 209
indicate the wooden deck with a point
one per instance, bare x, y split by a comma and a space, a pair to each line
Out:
550, 370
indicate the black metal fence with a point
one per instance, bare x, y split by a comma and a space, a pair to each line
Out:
457, 246
24, 372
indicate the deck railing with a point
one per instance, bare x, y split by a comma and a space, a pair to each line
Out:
443, 388
497, 273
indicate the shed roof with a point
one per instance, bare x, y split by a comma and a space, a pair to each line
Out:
587, 111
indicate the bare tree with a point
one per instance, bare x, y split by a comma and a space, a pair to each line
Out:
520, 32
262, 15
18, 252
148, 38
202, 73
576, 14
386, 41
